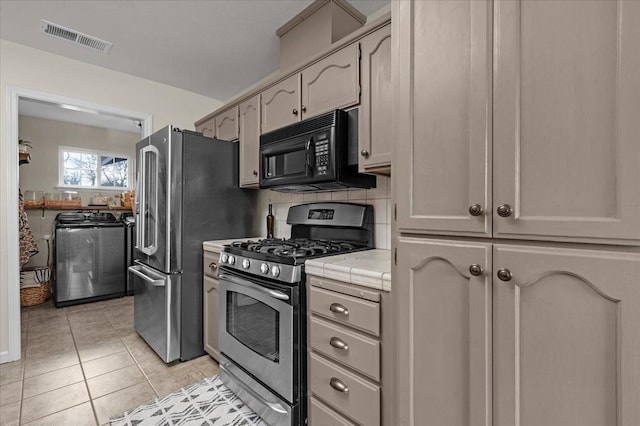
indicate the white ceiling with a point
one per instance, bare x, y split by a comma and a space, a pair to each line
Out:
215, 48
71, 114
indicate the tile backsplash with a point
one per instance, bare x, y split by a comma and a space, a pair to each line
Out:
379, 198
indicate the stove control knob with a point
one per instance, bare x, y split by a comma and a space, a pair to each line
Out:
246, 264
264, 268
232, 259
224, 257
275, 271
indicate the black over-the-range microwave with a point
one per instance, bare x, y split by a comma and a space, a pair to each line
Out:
317, 154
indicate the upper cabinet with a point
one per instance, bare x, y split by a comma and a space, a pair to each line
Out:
207, 128
328, 84
566, 123
249, 142
280, 104
442, 71
331, 83
559, 160
227, 125
375, 133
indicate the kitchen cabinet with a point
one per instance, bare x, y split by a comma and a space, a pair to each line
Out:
227, 125
210, 303
249, 142
561, 161
566, 336
330, 83
208, 128
350, 354
507, 334
442, 69
375, 134
444, 328
566, 102
515, 121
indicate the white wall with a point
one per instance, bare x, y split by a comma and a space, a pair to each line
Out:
28, 68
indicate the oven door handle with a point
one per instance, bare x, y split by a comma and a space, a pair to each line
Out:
245, 283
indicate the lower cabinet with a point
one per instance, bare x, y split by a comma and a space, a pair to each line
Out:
496, 334
210, 304
210, 313
350, 380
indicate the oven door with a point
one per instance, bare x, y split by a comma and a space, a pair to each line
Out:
287, 162
257, 330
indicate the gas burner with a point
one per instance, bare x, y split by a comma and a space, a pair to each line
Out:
296, 247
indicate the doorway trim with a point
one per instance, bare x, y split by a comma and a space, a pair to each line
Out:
10, 222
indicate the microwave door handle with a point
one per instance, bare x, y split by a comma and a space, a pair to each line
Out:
310, 163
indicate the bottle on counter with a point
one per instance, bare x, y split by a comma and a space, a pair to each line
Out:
270, 220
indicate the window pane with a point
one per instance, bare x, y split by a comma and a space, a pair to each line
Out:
79, 160
79, 177
114, 171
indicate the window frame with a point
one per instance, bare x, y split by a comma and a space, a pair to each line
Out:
62, 149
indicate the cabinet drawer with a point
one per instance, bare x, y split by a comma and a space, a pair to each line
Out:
361, 402
210, 263
348, 310
361, 353
321, 415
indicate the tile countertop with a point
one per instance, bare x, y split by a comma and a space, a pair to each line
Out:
369, 268
217, 244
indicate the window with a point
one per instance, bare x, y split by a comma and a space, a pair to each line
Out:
83, 168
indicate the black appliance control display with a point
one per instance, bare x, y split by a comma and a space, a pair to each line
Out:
321, 214
322, 156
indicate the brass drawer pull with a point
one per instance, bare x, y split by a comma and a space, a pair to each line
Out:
339, 385
338, 343
213, 266
339, 309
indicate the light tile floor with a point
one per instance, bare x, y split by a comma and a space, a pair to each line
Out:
83, 364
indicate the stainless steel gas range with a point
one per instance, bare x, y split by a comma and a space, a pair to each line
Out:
263, 306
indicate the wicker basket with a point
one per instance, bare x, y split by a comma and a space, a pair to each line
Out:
35, 295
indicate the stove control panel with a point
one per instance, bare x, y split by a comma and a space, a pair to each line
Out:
277, 271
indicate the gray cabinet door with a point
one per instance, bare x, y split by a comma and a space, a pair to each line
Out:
280, 104
210, 317
566, 337
227, 125
376, 135
441, 65
566, 121
333, 82
249, 141
208, 128
444, 333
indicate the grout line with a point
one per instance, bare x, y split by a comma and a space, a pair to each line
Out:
86, 385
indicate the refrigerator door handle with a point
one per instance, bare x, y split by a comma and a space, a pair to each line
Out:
139, 201
145, 186
155, 282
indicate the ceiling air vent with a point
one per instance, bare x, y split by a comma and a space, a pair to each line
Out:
73, 36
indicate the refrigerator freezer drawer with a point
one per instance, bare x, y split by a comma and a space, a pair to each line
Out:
157, 310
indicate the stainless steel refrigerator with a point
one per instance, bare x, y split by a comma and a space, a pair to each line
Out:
186, 193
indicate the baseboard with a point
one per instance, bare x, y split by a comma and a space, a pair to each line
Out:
4, 357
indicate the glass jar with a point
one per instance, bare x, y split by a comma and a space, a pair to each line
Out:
33, 199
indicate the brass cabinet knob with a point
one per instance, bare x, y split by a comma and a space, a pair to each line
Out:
304, 108
504, 274
339, 309
295, 111
504, 210
338, 385
475, 270
255, 173
338, 343
475, 209
364, 153
213, 266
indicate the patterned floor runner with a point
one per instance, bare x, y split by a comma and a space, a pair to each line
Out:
208, 402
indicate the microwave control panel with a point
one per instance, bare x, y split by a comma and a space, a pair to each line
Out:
322, 156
